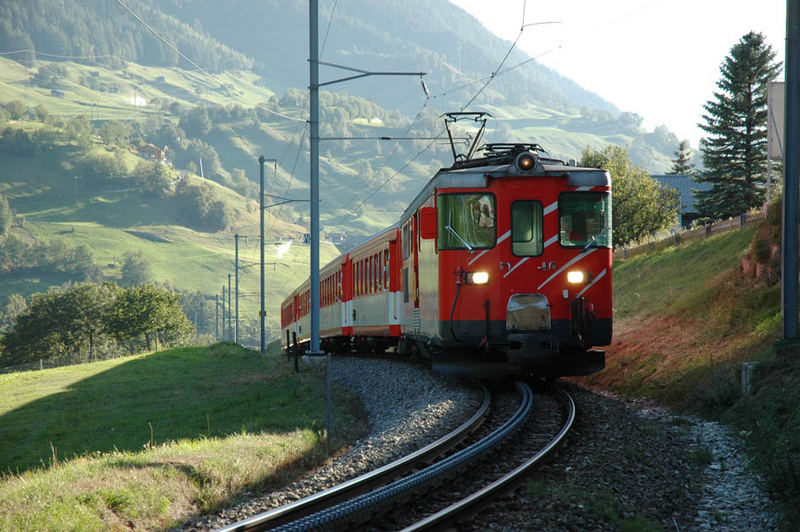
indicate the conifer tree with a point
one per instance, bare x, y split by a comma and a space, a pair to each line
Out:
682, 163
735, 152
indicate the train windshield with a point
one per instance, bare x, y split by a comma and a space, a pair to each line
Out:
466, 221
585, 219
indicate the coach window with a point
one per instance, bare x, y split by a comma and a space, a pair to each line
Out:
386, 270
585, 219
526, 228
466, 221
406, 240
358, 279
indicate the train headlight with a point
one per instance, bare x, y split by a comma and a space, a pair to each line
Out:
525, 162
577, 277
477, 277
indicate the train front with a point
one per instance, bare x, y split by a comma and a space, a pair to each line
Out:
524, 267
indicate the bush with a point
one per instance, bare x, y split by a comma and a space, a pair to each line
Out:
770, 420
775, 211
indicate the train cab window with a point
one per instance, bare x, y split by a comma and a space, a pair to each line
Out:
527, 238
585, 219
466, 221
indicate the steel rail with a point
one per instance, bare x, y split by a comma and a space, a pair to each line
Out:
474, 502
361, 509
363, 483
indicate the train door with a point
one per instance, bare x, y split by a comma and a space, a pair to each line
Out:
415, 241
393, 280
410, 278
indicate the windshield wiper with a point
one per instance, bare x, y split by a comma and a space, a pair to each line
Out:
449, 228
591, 243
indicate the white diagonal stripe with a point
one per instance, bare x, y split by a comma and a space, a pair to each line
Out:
550, 208
485, 251
551, 241
588, 286
517, 265
567, 265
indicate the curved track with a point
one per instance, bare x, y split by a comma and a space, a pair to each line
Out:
358, 502
364, 483
468, 506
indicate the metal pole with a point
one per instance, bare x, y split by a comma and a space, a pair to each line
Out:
216, 317
328, 394
263, 313
791, 187
314, 171
230, 318
236, 321
223, 314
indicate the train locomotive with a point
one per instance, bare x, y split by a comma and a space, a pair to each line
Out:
501, 265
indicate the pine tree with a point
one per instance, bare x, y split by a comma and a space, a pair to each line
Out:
735, 152
682, 163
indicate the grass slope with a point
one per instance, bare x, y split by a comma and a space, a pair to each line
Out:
138, 87
685, 319
148, 441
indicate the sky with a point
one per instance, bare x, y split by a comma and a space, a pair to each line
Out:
659, 59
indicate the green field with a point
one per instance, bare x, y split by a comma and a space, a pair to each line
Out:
154, 439
138, 86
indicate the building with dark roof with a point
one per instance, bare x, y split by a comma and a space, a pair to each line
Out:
686, 187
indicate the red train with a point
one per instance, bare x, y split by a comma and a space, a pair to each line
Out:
501, 264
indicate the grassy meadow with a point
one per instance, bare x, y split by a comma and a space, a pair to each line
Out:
150, 441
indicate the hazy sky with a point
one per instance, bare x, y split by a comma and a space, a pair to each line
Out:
652, 57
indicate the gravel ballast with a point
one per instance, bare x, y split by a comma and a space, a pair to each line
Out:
625, 463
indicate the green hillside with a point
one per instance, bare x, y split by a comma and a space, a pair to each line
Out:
249, 99
55, 200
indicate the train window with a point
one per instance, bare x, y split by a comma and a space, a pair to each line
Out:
467, 221
584, 219
406, 240
526, 228
386, 270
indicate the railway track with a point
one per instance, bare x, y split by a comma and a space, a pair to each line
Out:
366, 482
372, 500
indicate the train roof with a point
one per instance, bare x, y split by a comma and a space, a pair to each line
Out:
472, 173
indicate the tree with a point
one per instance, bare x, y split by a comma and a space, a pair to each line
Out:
79, 131
735, 152
16, 109
135, 269
196, 122
640, 205
90, 305
56, 323
41, 113
15, 306
149, 311
115, 132
682, 163
6, 218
